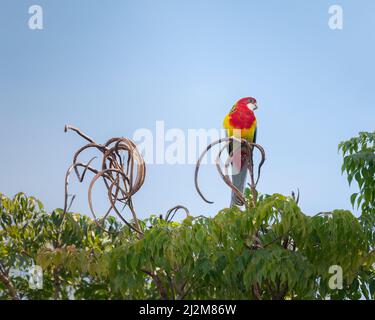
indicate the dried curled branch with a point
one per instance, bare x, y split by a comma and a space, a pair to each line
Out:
122, 170
172, 212
248, 147
296, 197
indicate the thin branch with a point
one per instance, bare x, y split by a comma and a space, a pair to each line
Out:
8, 284
159, 285
56, 283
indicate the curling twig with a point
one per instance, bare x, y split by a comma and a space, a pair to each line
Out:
248, 147
121, 178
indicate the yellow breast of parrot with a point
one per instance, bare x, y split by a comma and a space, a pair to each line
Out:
247, 133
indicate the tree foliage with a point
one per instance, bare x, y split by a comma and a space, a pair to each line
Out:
270, 251
359, 164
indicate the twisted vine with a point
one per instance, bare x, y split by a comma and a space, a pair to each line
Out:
122, 170
248, 147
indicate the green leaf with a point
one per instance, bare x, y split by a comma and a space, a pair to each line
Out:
352, 198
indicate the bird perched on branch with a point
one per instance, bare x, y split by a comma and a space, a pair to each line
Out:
240, 123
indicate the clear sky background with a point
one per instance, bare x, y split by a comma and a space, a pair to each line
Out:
111, 67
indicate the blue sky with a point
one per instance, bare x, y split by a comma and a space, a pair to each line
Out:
111, 67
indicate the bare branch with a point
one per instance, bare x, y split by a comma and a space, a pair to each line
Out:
122, 179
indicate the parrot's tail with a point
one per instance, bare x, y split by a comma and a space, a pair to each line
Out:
239, 169
238, 180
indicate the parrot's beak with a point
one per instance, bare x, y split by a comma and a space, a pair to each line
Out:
252, 106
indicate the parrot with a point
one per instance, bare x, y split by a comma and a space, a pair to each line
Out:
240, 123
